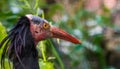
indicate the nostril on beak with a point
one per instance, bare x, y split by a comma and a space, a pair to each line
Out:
36, 31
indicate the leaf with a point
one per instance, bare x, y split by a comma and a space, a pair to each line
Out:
2, 32
46, 65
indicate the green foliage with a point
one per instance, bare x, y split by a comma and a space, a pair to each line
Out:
76, 24
49, 43
3, 33
46, 65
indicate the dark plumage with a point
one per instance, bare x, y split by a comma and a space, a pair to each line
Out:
20, 46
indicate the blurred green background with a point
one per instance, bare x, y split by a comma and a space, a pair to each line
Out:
95, 22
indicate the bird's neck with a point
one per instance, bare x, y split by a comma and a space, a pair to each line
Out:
28, 56
28, 61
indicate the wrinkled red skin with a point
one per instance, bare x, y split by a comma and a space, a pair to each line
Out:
39, 34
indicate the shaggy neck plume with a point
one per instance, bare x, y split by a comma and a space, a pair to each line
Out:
20, 47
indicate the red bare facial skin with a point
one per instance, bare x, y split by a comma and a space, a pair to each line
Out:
44, 31
39, 34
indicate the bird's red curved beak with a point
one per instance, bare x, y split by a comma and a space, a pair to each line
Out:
58, 33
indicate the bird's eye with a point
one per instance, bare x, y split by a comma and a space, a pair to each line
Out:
46, 26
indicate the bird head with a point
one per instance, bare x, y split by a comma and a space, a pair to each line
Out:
41, 30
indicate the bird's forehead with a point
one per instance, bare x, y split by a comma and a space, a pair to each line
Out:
36, 19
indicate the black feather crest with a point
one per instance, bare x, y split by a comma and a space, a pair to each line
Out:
18, 45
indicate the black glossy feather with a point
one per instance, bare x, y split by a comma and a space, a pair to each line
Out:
19, 46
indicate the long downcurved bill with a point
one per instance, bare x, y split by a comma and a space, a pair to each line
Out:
58, 33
